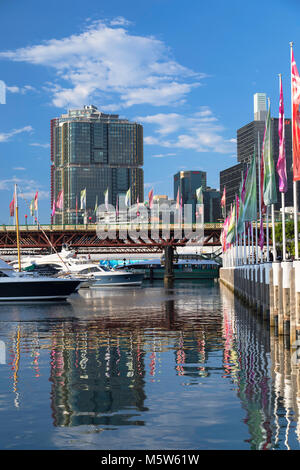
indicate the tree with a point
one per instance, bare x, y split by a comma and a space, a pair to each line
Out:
289, 236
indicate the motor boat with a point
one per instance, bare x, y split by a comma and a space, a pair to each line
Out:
68, 264
23, 286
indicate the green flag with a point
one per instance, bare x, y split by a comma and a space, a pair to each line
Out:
199, 195
230, 238
250, 204
269, 188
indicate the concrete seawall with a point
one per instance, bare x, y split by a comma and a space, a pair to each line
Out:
272, 290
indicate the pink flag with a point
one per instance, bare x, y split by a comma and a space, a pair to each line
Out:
53, 209
177, 199
150, 197
12, 207
281, 163
243, 192
36, 201
261, 235
59, 202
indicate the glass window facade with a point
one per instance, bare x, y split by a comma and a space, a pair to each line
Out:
94, 151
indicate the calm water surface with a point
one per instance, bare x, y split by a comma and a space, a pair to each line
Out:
145, 368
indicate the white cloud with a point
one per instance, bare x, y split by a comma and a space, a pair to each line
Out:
21, 90
5, 136
162, 155
107, 62
26, 188
19, 168
199, 131
36, 144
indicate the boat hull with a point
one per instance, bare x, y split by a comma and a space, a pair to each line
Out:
36, 290
120, 280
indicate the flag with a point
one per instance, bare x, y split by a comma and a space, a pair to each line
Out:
137, 210
106, 199
12, 207
127, 198
231, 226
83, 199
53, 209
223, 202
224, 233
36, 201
261, 239
150, 197
262, 204
32, 208
281, 163
269, 188
296, 118
177, 199
250, 209
199, 195
60, 200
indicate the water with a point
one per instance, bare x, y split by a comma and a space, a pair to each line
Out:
145, 368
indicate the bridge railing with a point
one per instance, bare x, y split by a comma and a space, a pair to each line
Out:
93, 227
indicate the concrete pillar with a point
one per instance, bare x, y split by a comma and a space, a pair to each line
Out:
286, 270
275, 268
268, 267
169, 274
272, 319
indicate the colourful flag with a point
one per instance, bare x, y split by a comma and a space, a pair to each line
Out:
262, 204
83, 199
53, 209
223, 202
127, 198
106, 199
224, 233
261, 235
296, 118
150, 197
96, 205
281, 163
137, 210
36, 201
12, 207
250, 209
199, 195
32, 208
269, 191
60, 200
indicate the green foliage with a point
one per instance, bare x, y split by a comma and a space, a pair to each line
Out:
289, 236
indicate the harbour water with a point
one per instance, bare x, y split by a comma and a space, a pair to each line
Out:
145, 368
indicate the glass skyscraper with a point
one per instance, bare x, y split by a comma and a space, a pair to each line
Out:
94, 151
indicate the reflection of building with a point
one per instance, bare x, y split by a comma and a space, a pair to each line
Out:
95, 151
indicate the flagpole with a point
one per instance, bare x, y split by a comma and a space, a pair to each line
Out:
282, 193
294, 182
259, 187
268, 255
273, 233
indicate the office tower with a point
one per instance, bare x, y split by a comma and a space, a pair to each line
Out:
260, 107
212, 205
250, 140
94, 151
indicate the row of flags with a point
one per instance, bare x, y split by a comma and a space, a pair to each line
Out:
244, 210
33, 205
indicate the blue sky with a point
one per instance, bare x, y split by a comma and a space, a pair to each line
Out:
186, 70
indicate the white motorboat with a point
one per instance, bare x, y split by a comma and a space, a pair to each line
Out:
68, 264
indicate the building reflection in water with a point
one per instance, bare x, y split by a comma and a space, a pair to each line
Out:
106, 350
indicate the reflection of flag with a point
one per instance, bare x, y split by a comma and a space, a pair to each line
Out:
53, 209
150, 197
296, 117
59, 202
36, 201
83, 199
12, 207
127, 198
281, 163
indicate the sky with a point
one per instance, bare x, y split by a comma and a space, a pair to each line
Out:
187, 71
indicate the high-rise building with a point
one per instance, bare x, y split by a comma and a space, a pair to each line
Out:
260, 107
249, 140
94, 151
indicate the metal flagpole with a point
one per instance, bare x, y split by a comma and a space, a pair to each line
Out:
282, 195
294, 182
267, 235
273, 233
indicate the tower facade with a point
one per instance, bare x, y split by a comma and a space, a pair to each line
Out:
93, 151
